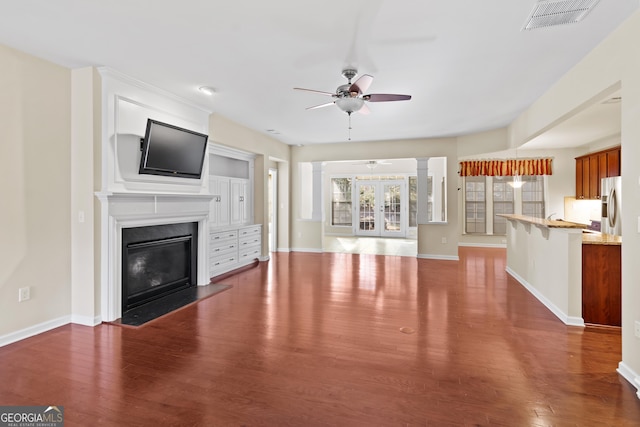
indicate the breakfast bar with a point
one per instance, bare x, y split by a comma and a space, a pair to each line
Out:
573, 271
545, 256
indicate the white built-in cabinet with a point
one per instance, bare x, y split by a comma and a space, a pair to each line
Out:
230, 203
239, 201
219, 211
234, 240
234, 248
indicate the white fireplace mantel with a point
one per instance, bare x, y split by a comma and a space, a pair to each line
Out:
127, 210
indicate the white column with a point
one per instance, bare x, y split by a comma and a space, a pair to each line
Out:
423, 183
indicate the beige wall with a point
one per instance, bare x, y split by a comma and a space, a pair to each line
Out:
85, 120
267, 150
35, 184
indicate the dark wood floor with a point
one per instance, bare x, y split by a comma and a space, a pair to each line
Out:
315, 339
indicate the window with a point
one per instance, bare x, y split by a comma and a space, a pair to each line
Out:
341, 213
533, 196
475, 205
482, 208
502, 203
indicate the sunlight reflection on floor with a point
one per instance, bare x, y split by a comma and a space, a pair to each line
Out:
371, 245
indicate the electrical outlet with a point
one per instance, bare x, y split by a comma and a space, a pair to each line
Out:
637, 328
24, 294
444, 240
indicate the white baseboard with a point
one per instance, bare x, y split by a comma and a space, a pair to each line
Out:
314, 250
440, 257
34, 330
283, 250
484, 245
629, 375
86, 320
565, 318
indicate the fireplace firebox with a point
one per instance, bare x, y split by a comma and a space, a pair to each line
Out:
157, 261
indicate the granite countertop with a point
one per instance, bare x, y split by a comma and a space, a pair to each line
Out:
588, 237
550, 223
601, 239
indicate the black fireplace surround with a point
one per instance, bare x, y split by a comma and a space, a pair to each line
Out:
157, 261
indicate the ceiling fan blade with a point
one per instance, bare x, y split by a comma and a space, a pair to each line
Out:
315, 91
384, 97
319, 106
364, 109
362, 84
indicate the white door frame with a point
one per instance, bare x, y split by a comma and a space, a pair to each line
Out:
378, 219
273, 225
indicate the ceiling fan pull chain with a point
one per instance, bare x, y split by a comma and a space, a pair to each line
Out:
349, 126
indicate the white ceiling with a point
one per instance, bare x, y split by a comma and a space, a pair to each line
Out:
467, 64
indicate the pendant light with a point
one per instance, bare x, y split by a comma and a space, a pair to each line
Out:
517, 181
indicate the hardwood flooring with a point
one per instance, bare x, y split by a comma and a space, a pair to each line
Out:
335, 339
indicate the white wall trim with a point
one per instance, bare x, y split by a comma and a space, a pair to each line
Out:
566, 319
283, 250
483, 245
224, 151
34, 330
314, 250
629, 375
440, 257
86, 320
116, 75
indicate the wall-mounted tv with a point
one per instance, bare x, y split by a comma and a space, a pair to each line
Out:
172, 151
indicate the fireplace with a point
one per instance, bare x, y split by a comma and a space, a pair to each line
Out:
157, 261
123, 212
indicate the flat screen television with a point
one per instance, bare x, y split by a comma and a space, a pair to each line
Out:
172, 151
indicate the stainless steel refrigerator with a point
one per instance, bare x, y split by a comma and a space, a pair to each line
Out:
610, 195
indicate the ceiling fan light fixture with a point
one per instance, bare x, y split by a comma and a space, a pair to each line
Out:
349, 104
207, 90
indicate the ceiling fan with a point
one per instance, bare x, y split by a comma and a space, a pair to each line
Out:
350, 97
371, 164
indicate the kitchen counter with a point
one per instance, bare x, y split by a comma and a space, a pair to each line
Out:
588, 237
601, 239
545, 256
549, 223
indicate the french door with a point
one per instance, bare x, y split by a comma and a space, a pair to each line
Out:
381, 208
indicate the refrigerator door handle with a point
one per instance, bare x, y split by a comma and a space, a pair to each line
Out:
613, 213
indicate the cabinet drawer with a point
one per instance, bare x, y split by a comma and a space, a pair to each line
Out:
250, 253
222, 246
223, 235
250, 231
221, 253
221, 262
249, 241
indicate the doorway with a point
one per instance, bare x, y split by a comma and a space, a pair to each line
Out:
272, 194
381, 209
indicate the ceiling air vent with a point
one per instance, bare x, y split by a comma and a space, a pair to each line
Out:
547, 13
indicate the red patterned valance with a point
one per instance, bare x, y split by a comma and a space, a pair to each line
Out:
505, 167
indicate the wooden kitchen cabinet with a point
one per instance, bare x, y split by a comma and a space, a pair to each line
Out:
601, 284
591, 168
